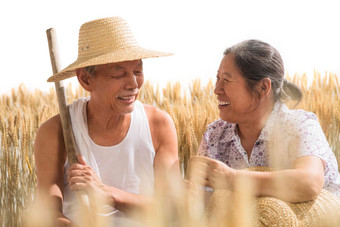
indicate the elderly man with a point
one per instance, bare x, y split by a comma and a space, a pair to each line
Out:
125, 146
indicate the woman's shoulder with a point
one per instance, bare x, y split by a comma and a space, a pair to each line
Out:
219, 124
218, 128
296, 116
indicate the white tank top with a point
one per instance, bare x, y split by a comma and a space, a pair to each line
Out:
127, 166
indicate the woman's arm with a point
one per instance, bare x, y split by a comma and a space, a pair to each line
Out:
302, 182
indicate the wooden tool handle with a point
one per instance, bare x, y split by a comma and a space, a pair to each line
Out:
70, 144
71, 147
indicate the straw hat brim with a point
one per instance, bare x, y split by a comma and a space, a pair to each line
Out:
110, 57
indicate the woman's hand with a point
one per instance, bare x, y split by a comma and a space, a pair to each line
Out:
212, 173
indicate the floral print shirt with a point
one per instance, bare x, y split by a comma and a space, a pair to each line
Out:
288, 134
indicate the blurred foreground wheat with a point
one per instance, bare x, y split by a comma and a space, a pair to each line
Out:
23, 111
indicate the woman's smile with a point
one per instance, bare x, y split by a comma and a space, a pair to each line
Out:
223, 104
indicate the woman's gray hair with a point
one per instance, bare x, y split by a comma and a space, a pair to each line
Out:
257, 60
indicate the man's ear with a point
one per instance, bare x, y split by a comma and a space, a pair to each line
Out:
265, 86
83, 79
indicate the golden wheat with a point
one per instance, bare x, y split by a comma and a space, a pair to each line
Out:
23, 111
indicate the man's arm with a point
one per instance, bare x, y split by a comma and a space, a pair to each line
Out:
83, 177
164, 138
50, 156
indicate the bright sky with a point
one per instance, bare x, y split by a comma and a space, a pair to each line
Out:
306, 33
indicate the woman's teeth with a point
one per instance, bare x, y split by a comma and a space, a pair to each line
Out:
223, 103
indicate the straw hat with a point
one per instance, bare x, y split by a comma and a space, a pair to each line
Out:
103, 41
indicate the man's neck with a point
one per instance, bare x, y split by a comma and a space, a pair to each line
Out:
103, 118
107, 128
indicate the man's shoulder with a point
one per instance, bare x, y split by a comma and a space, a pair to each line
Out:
49, 139
54, 121
50, 126
155, 114
149, 109
162, 127
160, 122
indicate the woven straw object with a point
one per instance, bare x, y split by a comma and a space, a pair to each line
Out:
269, 211
103, 41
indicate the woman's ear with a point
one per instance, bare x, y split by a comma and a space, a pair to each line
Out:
265, 86
83, 79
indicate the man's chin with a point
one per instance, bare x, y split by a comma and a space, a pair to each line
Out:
123, 108
129, 109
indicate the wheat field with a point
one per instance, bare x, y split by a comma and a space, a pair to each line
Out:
23, 111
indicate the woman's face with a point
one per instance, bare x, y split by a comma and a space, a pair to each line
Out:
235, 101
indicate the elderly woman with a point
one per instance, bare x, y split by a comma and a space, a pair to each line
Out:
257, 129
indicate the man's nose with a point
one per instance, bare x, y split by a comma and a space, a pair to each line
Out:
131, 81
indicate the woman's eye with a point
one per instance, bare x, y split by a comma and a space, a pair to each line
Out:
224, 80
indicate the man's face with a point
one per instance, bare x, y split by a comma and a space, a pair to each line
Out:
115, 86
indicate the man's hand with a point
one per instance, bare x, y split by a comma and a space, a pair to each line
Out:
82, 177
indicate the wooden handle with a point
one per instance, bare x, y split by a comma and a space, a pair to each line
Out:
70, 145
